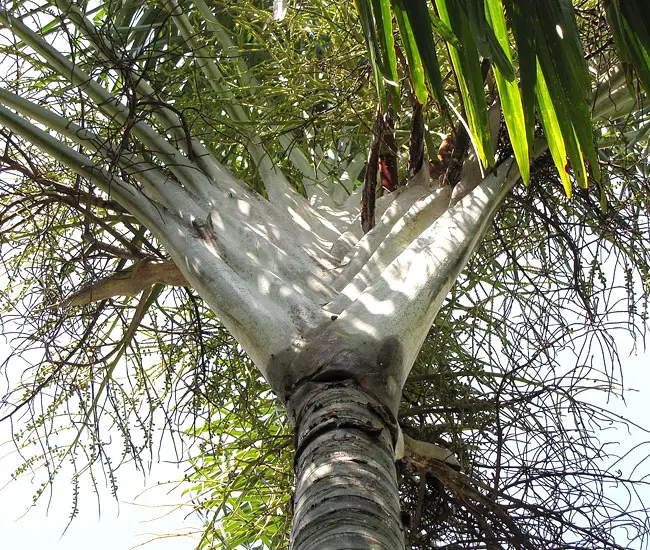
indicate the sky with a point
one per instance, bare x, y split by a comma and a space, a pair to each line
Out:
145, 511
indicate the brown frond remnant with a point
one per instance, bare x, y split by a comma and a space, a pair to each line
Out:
416, 144
388, 155
370, 177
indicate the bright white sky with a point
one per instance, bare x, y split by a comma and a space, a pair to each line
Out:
142, 514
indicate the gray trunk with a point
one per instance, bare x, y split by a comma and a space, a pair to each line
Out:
346, 485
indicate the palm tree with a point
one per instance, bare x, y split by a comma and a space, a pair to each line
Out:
217, 149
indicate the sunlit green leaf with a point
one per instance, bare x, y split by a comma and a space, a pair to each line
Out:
511, 102
486, 42
553, 132
364, 9
470, 78
521, 23
567, 79
417, 13
412, 55
384, 19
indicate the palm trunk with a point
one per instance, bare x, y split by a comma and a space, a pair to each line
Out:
346, 485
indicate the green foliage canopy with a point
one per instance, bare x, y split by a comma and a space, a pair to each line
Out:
525, 333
